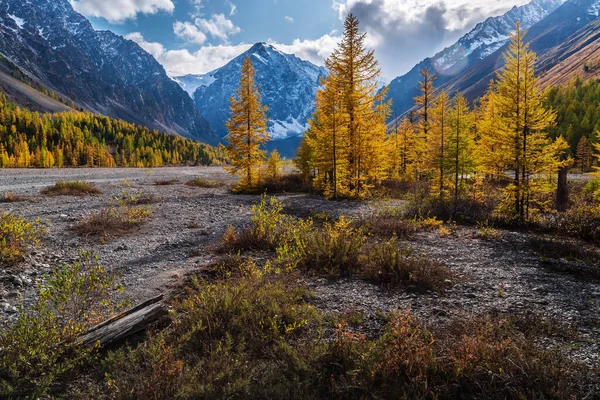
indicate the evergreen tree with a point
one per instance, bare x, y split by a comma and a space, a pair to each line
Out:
584, 154
247, 128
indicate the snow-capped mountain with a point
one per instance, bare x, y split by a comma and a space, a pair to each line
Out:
288, 87
98, 70
481, 42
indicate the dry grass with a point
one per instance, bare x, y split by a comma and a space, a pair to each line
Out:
200, 182
166, 182
112, 222
74, 188
11, 197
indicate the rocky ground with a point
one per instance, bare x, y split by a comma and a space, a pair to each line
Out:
505, 274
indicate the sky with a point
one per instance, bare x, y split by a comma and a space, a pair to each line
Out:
198, 36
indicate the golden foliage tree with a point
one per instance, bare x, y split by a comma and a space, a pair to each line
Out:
329, 140
436, 149
460, 153
247, 128
354, 73
516, 108
274, 165
425, 100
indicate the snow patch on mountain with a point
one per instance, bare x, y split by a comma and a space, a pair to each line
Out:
288, 86
19, 21
594, 9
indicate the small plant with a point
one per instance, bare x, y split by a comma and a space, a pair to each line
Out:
166, 182
11, 197
40, 350
394, 265
486, 231
201, 182
17, 235
75, 188
114, 221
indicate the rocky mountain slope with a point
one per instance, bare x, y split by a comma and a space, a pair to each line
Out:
473, 48
288, 88
98, 70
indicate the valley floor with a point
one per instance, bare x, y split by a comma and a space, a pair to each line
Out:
516, 273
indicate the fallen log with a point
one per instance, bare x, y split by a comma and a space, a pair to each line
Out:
125, 324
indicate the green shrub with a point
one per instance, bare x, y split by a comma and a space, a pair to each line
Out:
592, 189
394, 265
39, 353
75, 188
17, 235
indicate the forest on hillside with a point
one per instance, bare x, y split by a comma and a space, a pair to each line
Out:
82, 139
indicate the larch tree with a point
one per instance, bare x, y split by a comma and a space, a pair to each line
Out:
247, 128
436, 139
425, 100
356, 72
522, 120
329, 142
460, 154
274, 165
583, 155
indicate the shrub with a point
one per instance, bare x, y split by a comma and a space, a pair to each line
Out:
166, 182
112, 222
17, 235
39, 352
11, 197
201, 182
387, 221
581, 220
393, 265
592, 189
466, 210
334, 250
75, 188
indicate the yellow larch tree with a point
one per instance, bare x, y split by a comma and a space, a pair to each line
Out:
247, 128
356, 72
425, 100
435, 145
328, 140
460, 153
522, 120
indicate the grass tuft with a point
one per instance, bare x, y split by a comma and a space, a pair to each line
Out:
75, 188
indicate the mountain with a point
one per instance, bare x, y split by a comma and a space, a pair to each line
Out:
98, 70
552, 39
288, 87
477, 45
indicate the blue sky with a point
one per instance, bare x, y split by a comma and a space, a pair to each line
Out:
197, 36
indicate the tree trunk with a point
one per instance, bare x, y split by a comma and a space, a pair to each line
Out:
562, 191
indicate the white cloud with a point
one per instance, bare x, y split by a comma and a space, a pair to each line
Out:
232, 8
156, 49
117, 11
217, 26
189, 32
403, 32
289, 19
183, 62
315, 51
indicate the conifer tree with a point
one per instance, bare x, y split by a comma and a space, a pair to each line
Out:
460, 156
274, 165
522, 120
355, 72
584, 154
247, 128
435, 152
425, 100
304, 160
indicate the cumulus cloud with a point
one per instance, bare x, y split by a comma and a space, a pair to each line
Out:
217, 26
315, 51
183, 62
189, 32
403, 32
117, 11
289, 19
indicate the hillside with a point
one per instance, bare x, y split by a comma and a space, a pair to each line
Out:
98, 70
